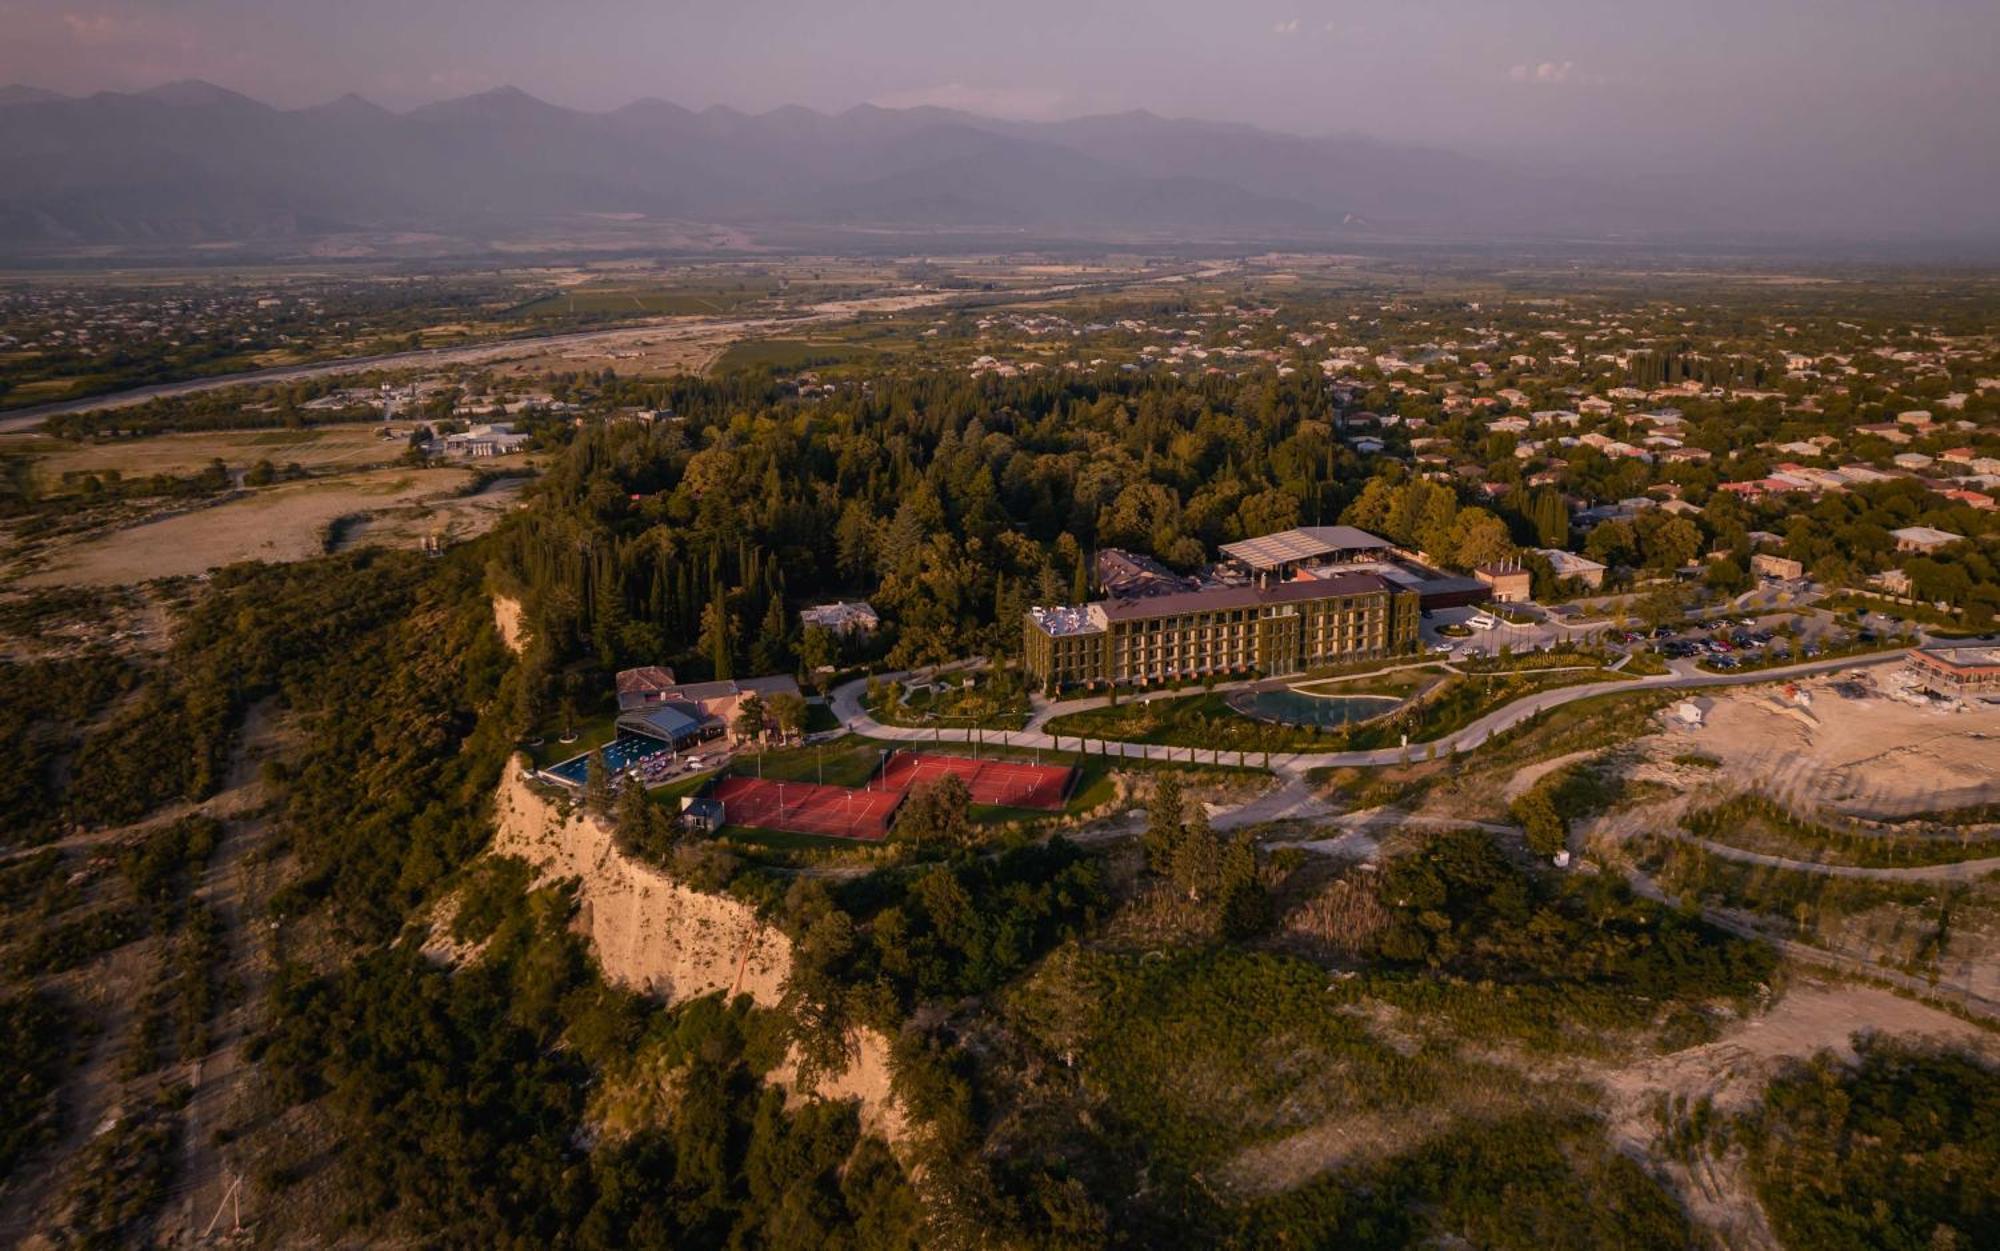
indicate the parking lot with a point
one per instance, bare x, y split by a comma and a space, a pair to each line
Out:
1728, 642
1487, 641
1721, 641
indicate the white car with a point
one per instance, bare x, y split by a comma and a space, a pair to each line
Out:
1481, 621
1441, 649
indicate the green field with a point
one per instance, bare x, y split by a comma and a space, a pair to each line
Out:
649, 301
1207, 721
786, 354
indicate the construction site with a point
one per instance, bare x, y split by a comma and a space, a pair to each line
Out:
1881, 743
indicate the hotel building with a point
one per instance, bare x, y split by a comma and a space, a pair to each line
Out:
1267, 623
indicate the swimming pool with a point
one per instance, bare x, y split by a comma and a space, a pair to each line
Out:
1294, 708
619, 754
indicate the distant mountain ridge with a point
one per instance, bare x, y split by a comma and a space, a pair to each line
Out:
190, 163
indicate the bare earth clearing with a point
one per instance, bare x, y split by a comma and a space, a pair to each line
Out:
1865, 755
352, 446
280, 523
452, 519
507, 619
1733, 1071
234, 885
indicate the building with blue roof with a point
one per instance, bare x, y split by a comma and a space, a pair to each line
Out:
675, 723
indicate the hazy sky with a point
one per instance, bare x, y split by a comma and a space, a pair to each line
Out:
1898, 88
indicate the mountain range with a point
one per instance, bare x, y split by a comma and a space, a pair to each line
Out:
191, 163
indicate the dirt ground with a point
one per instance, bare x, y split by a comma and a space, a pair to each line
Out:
452, 519
1847, 746
1733, 1070
654, 935
657, 350
1813, 1015
112, 989
317, 448
223, 1082
280, 523
1863, 754
507, 618
1525, 778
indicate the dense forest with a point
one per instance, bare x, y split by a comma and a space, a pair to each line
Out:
1090, 1036
954, 504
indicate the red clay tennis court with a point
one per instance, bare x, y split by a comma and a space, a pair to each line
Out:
1011, 783
807, 808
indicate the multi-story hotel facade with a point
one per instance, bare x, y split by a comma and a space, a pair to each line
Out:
1217, 631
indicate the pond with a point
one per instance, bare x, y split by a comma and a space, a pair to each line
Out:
1294, 708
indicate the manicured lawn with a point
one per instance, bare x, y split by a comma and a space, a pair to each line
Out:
954, 706
1402, 683
591, 731
844, 762
1208, 722
1464, 700
750, 836
669, 796
1205, 721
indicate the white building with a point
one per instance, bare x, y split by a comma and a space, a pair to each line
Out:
842, 618
1571, 565
483, 441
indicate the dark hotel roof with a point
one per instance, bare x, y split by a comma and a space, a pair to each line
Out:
1222, 598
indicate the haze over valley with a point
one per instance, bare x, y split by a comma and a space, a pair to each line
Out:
1038, 627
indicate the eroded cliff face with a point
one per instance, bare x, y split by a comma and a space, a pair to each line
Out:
651, 933
655, 935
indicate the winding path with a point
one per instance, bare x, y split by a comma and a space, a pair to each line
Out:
1294, 799
1745, 927
1945, 871
848, 707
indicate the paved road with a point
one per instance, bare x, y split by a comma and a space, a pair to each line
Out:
1294, 799
848, 707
